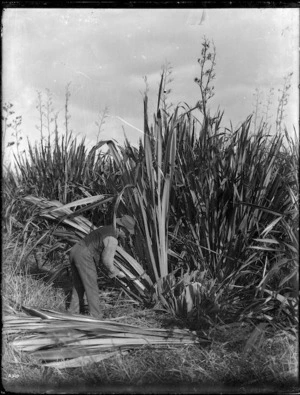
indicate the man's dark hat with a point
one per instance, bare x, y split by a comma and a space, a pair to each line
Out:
127, 222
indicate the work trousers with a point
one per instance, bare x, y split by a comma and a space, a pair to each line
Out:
84, 274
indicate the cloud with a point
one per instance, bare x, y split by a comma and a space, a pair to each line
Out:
106, 52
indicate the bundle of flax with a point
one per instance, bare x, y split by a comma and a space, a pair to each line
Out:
63, 340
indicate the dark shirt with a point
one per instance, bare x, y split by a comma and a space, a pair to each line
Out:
94, 240
102, 244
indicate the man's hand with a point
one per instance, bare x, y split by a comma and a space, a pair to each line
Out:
117, 274
121, 275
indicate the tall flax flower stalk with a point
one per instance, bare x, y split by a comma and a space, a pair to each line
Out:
67, 117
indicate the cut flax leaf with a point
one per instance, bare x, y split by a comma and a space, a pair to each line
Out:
81, 361
81, 202
64, 340
58, 212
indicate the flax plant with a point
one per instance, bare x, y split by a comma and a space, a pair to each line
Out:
67, 341
235, 193
150, 181
215, 208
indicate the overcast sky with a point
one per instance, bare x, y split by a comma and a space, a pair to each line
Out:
105, 54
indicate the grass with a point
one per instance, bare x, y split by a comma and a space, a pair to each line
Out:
26, 286
223, 364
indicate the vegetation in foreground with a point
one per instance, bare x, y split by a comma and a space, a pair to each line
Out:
229, 361
217, 235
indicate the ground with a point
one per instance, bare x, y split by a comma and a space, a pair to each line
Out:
227, 364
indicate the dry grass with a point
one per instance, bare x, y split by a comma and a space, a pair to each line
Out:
21, 287
275, 364
222, 366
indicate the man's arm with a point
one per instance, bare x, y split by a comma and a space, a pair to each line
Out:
108, 254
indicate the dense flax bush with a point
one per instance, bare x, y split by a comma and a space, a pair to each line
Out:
235, 202
64, 172
216, 208
216, 202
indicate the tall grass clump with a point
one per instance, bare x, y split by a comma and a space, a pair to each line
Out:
20, 285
